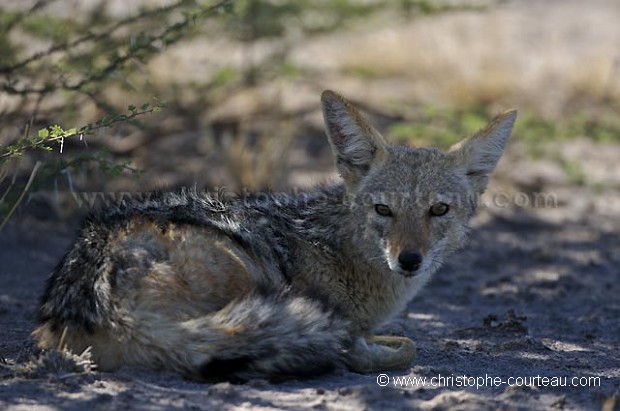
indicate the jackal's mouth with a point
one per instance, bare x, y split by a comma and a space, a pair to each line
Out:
405, 273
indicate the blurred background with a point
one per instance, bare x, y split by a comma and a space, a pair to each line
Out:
123, 96
105, 98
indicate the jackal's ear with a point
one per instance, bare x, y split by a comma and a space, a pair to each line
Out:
356, 144
480, 153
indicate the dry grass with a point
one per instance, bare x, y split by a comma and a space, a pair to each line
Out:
535, 54
256, 155
59, 363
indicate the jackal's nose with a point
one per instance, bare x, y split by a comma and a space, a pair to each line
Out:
409, 260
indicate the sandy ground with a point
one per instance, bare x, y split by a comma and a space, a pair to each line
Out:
534, 294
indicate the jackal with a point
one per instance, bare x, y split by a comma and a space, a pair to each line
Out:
273, 286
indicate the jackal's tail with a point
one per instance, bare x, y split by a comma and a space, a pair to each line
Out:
275, 335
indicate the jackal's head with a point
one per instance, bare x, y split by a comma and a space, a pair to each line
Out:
412, 204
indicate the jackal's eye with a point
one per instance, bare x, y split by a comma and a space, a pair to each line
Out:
383, 210
439, 209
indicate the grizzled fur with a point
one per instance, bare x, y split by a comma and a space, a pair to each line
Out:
274, 285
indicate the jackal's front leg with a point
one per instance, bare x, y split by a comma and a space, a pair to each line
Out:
380, 353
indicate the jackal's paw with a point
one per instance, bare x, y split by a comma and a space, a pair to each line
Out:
380, 353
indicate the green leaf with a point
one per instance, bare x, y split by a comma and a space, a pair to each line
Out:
44, 133
57, 131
